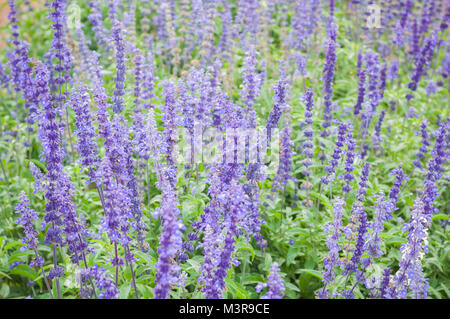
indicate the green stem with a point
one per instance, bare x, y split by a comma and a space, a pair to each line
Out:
4, 172
55, 264
43, 275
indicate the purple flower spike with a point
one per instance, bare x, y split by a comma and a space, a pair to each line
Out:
361, 72
119, 92
423, 150
337, 153
424, 58
349, 167
280, 98
274, 283
328, 77
308, 133
332, 260
170, 243
105, 284
86, 142
285, 160
26, 220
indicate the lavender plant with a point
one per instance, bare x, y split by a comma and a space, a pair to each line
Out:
138, 129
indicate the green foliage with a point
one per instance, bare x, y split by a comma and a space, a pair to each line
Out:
301, 262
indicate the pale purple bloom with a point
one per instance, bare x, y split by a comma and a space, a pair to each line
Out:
349, 166
86, 136
96, 18
423, 150
332, 260
400, 177
308, 132
410, 277
274, 283
328, 77
376, 138
361, 73
336, 156
281, 90
285, 160
105, 284
393, 70
170, 241
424, 58
27, 219
60, 50
117, 34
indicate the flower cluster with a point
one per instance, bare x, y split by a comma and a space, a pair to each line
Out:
280, 98
274, 283
328, 77
349, 166
308, 133
170, 242
26, 220
332, 260
86, 143
119, 80
423, 150
105, 284
336, 156
285, 159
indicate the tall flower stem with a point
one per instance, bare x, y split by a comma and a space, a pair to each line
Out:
282, 206
4, 172
69, 133
127, 248
83, 255
44, 276
148, 185
318, 198
244, 267
116, 256
55, 264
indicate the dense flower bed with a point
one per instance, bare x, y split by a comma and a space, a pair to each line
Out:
225, 149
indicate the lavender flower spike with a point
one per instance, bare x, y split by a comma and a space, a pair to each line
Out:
60, 50
274, 283
400, 177
280, 99
285, 160
423, 61
328, 77
87, 147
361, 84
120, 67
349, 167
308, 133
332, 260
170, 242
105, 284
439, 156
336, 155
423, 150
26, 220
410, 276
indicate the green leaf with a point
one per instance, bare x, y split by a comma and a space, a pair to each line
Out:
124, 291
236, 290
312, 272
25, 271
4, 291
293, 252
12, 244
394, 240
4, 275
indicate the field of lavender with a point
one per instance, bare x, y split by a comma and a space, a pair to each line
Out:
224, 149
